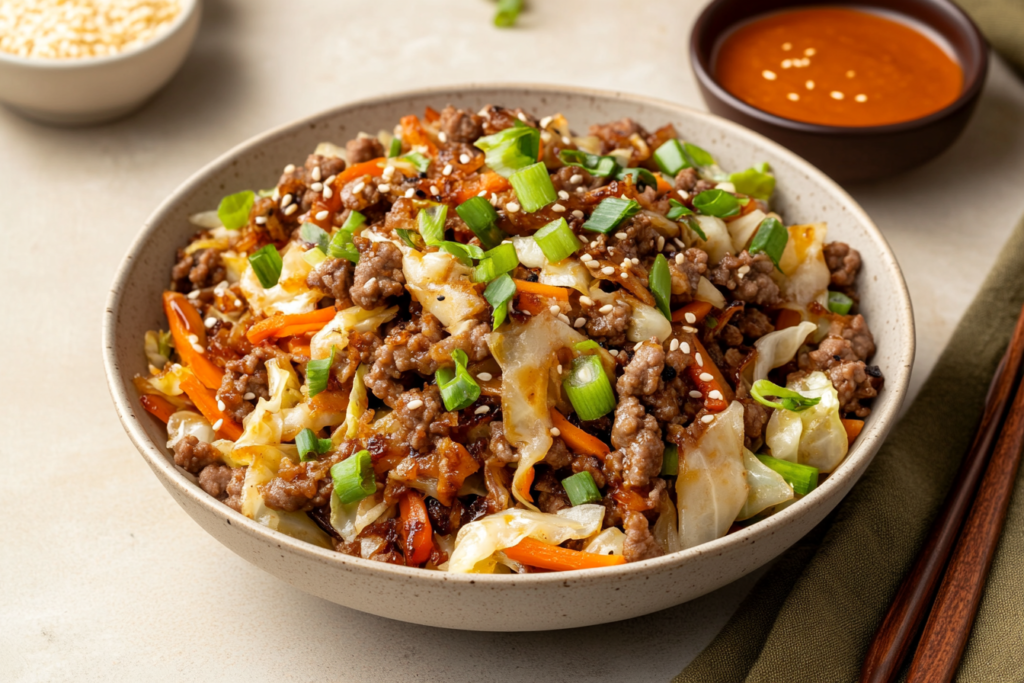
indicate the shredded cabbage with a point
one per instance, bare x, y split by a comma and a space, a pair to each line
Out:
439, 275
289, 295
666, 529
711, 487
477, 541
815, 436
803, 263
777, 348
188, 423
709, 293
767, 487
647, 322
611, 541
529, 252
743, 228
354, 319
718, 243
569, 272
350, 519
265, 425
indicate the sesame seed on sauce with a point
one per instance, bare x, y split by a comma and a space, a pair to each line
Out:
218, 424
586, 257
706, 377
580, 322
690, 318
442, 136
809, 85
434, 191
576, 178
792, 97
565, 319
384, 187
695, 394
673, 345
787, 63
558, 208
511, 207
555, 431
586, 300
607, 308
261, 220
249, 396
290, 168
463, 158
317, 187
555, 310
836, 95
563, 195
369, 283
410, 193
482, 410
322, 215
291, 209
787, 46
414, 404
861, 98
769, 75
608, 270
315, 173
707, 419
484, 376
684, 347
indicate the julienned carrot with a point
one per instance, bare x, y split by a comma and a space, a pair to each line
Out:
184, 320
527, 483
373, 167
788, 318
487, 183
700, 371
699, 309
206, 401
414, 135
853, 428
535, 297
280, 325
578, 440
417, 536
663, 185
298, 345
158, 406
536, 553
430, 115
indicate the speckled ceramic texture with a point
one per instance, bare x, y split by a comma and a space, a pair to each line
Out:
503, 602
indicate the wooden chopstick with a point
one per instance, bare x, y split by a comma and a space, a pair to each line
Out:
914, 598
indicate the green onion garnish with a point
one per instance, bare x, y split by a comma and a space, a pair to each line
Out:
839, 303
411, 238
318, 372
501, 259
586, 345
307, 442
314, 257
314, 234
697, 156
533, 187
511, 149
588, 388
670, 461
610, 212
508, 12
788, 399
677, 210
641, 177
671, 158
464, 252
659, 281
396, 147
756, 182
267, 265
498, 294
266, 193
716, 203
481, 217
458, 388
770, 238
803, 478
354, 478
341, 244
431, 222
557, 240
581, 488
421, 162
597, 166
233, 210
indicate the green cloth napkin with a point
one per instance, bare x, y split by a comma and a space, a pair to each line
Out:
1002, 22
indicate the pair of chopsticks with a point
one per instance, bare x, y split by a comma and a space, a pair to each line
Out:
992, 460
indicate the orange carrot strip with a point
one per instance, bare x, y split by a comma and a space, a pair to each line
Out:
853, 428
417, 536
578, 440
298, 345
486, 182
663, 185
157, 406
184, 319
414, 135
276, 326
373, 167
550, 291
788, 318
536, 553
717, 381
700, 309
206, 401
527, 483
430, 115
632, 500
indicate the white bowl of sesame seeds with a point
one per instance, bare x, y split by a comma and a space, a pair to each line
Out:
77, 62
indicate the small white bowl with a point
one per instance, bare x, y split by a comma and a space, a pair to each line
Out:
97, 89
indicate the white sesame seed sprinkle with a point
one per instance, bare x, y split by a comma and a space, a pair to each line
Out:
261, 220
414, 404
286, 200
576, 178
809, 85
328, 192
564, 318
484, 376
545, 121
388, 173
291, 209
220, 406
624, 275
198, 349
566, 141
290, 168
410, 193
608, 270
792, 97
685, 196
621, 235
715, 394
769, 75
563, 195
369, 283
580, 322
580, 189
743, 270
210, 322
635, 261
559, 368
613, 352
679, 243
555, 310
787, 46
194, 294
332, 178
481, 193
442, 136
511, 207
661, 243
586, 257
627, 264
684, 347
706, 377
607, 308
593, 244
592, 264
680, 258
851, 73
521, 116
636, 347
322, 215
707, 419
317, 187
482, 410
836, 95
558, 208
673, 345
218, 424
586, 301
315, 173
810, 52
358, 187
555, 431
384, 187
447, 170
695, 394
577, 213
691, 330
193, 339
786, 63
700, 359
861, 98
690, 318
249, 396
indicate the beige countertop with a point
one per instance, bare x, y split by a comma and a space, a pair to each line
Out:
103, 577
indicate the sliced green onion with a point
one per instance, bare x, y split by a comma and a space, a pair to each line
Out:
396, 147
318, 372
597, 166
498, 294
588, 388
610, 212
481, 218
421, 162
341, 244
464, 252
314, 234
511, 149
266, 193
458, 388
641, 176
557, 240
267, 265
677, 210
670, 461
803, 478
587, 345
533, 187
756, 182
770, 238
581, 488
431, 222
501, 259
314, 257
697, 156
716, 203
659, 281
839, 303
233, 210
354, 478
508, 12
671, 158
788, 399
411, 238
307, 442
164, 343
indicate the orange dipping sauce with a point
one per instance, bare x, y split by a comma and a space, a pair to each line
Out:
837, 67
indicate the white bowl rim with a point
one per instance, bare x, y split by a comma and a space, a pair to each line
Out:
188, 8
880, 423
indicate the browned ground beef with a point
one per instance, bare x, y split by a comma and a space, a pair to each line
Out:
841, 355
843, 262
193, 455
754, 284
497, 118
642, 375
610, 325
203, 268
305, 486
360, 193
333, 277
460, 125
378, 274
686, 275
244, 377
499, 446
637, 438
406, 348
558, 456
362, 149
417, 410
640, 544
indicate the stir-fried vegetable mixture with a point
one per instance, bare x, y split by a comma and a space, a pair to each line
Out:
484, 343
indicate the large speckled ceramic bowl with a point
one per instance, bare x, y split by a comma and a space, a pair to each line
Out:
503, 602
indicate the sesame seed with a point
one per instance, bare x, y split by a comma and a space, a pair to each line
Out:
559, 368
414, 404
463, 158
322, 215
699, 359
613, 352
564, 318
286, 200
592, 264
249, 396
484, 376
194, 294
691, 330
358, 187
389, 172
384, 187
661, 243
621, 235
575, 179
577, 213
836, 95
706, 377
792, 97
673, 345
707, 419
636, 347
317, 187
624, 275
410, 193
210, 322
715, 394
684, 347
635, 261
481, 193
220, 406
769, 75
580, 189
861, 98
787, 46
482, 410
685, 196
328, 192
193, 339
607, 308
586, 257
521, 116
786, 63
291, 209
369, 283
315, 173
442, 136
555, 431
511, 207
447, 170
218, 424
809, 85
608, 270
627, 264
743, 270
695, 394
555, 310
525, 312
810, 52
580, 322
586, 301
680, 258
593, 245
851, 74
566, 141
545, 121
690, 318
558, 208
198, 349
679, 243
332, 178
563, 195
290, 168
261, 220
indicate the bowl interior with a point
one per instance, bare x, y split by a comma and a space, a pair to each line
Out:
803, 195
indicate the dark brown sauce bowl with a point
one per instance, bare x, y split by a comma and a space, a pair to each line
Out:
849, 154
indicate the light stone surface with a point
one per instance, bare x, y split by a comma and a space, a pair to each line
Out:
103, 577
